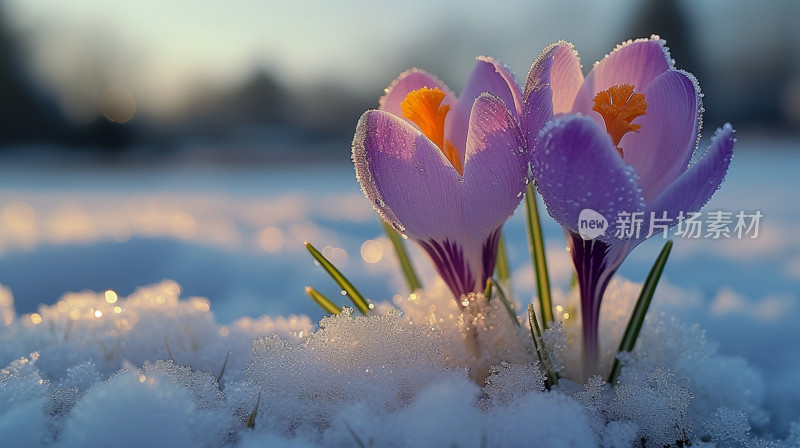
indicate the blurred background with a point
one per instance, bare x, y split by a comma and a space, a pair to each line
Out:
284, 82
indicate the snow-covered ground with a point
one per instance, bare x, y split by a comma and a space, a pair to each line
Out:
89, 368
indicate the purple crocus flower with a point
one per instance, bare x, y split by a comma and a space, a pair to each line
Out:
619, 149
445, 171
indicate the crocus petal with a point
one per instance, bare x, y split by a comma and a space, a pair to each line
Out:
661, 150
636, 62
559, 67
406, 83
495, 172
496, 169
577, 167
553, 81
536, 112
692, 189
493, 77
490, 76
452, 262
409, 181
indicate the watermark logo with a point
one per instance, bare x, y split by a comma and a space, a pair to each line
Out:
591, 224
695, 225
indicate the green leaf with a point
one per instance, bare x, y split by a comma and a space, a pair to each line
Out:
402, 257
536, 245
324, 302
541, 350
501, 266
222, 370
640, 310
509, 307
348, 288
251, 421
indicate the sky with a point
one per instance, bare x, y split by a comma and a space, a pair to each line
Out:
164, 51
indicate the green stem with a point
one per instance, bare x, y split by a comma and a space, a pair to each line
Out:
402, 256
348, 288
640, 310
536, 245
501, 265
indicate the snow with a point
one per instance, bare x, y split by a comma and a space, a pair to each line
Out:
131, 359
144, 369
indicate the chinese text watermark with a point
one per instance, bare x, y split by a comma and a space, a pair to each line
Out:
694, 225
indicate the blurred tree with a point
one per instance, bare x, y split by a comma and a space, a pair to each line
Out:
670, 20
26, 115
743, 93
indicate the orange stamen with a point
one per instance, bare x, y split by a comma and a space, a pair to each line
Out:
424, 107
619, 106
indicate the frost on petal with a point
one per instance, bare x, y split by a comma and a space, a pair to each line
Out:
488, 76
577, 167
406, 177
491, 76
495, 177
662, 148
495, 173
559, 67
551, 86
692, 189
537, 111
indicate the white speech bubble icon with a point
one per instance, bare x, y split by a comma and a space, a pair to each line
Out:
591, 224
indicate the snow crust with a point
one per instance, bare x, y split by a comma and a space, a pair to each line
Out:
94, 369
